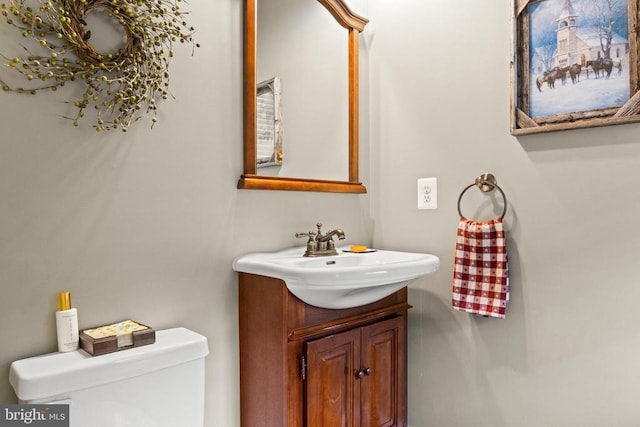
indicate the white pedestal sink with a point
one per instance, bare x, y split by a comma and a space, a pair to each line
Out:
341, 281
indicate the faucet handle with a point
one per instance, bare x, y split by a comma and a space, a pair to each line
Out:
312, 246
310, 234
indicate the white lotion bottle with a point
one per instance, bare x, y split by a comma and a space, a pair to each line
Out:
67, 324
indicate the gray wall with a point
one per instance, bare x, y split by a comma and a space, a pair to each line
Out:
566, 353
145, 224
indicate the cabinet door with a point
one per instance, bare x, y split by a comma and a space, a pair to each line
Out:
358, 378
333, 396
384, 363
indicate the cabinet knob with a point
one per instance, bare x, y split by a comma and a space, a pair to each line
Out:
363, 372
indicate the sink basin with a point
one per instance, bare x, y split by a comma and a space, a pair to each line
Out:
341, 281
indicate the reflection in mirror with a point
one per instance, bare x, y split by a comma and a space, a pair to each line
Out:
300, 42
325, 80
268, 124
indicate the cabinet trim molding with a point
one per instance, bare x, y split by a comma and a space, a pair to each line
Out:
347, 322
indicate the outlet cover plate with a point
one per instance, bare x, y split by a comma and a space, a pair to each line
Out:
427, 193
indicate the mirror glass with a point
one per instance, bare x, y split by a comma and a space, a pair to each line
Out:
300, 43
304, 134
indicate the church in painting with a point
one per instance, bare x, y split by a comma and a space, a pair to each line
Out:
576, 44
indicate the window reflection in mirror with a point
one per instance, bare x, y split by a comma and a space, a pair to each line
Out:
301, 43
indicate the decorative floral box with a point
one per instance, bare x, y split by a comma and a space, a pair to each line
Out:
116, 337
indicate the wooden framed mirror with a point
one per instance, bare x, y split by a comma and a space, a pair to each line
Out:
251, 179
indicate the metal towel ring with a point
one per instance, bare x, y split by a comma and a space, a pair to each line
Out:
486, 183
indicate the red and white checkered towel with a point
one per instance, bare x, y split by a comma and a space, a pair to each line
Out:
481, 274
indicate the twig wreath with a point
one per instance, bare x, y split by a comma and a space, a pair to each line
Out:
121, 86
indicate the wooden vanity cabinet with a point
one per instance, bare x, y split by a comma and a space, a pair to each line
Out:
302, 365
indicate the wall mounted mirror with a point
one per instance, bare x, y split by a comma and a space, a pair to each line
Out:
318, 88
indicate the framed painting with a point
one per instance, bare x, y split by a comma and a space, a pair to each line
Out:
575, 64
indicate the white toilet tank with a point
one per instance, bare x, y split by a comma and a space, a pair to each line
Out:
156, 385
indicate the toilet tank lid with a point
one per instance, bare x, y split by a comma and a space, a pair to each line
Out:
53, 374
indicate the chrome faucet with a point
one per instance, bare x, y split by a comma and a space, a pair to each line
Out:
319, 244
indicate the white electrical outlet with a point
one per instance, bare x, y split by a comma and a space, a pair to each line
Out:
427, 193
